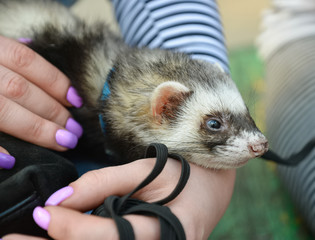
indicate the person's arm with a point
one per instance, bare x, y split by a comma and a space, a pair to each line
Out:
192, 27
33, 100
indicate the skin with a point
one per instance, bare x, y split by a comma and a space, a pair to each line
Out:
29, 85
198, 220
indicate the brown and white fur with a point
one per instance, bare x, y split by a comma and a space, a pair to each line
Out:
191, 106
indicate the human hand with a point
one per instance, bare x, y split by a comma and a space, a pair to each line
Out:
33, 99
199, 207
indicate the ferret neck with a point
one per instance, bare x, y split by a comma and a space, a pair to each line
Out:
104, 96
106, 90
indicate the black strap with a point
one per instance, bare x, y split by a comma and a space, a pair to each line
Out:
115, 207
294, 159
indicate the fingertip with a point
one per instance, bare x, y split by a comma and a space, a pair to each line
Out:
66, 139
59, 196
3, 150
42, 217
6, 161
25, 40
16, 236
74, 98
74, 127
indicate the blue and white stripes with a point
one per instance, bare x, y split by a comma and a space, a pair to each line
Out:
187, 26
287, 45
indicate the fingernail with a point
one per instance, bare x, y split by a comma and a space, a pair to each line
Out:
74, 98
25, 40
59, 196
66, 139
74, 127
41, 217
6, 161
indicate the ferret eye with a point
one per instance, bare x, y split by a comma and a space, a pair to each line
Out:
213, 124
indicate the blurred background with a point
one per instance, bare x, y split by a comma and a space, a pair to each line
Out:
261, 208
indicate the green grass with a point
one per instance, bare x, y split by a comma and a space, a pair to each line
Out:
261, 208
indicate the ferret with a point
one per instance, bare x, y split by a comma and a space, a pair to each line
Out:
154, 95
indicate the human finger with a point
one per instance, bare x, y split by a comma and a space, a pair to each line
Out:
199, 207
63, 223
6, 160
24, 61
90, 190
197, 215
21, 237
28, 95
23, 124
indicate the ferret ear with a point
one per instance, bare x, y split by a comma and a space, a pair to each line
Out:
166, 99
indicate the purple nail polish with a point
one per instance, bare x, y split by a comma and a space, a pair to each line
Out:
74, 127
66, 139
59, 196
25, 40
74, 98
41, 217
6, 161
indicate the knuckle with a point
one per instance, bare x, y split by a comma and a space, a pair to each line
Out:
3, 108
54, 112
16, 86
36, 130
22, 56
96, 178
53, 82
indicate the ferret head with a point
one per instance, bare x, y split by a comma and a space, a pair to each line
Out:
204, 118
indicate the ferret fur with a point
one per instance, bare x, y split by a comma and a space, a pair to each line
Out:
156, 95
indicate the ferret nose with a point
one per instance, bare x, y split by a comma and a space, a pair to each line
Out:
258, 149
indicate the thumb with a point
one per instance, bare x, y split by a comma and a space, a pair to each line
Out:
90, 190
6, 160
21, 237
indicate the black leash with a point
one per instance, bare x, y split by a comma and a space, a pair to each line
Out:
116, 207
294, 159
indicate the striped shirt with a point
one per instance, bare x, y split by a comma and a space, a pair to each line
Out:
193, 27
287, 44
